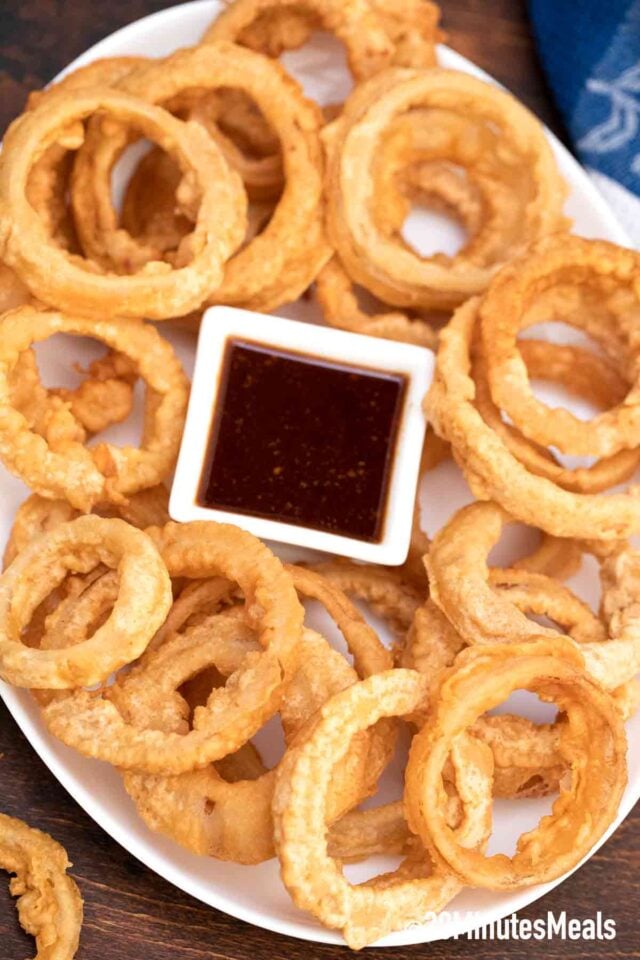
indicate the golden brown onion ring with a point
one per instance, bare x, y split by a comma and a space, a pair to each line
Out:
386, 267
527, 761
285, 256
366, 912
200, 809
49, 902
68, 469
594, 743
412, 29
583, 373
156, 292
94, 726
492, 470
369, 47
594, 265
143, 600
459, 583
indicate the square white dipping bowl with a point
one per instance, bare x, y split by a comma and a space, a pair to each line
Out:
222, 324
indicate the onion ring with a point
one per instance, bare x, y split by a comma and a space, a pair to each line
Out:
412, 31
493, 471
481, 679
94, 726
70, 284
293, 240
527, 761
385, 267
200, 809
369, 48
49, 902
592, 264
144, 597
459, 580
366, 912
86, 477
583, 373
483, 616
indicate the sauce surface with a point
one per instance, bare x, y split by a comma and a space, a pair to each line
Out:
302, 439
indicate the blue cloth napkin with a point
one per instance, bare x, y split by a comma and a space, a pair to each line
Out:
590, 50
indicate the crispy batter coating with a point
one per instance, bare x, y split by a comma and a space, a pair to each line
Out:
593, 742
49, 902
70, 283
366, 912
143, 599
56, 463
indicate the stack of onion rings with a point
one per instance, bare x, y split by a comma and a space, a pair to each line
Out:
380, 263
481, 679
55, 276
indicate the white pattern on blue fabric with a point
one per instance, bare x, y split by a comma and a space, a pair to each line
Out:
590, 51
624, 121
612, 143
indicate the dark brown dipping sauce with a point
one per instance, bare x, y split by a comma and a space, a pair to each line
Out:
302, 439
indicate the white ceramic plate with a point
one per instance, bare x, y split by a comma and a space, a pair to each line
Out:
255, 894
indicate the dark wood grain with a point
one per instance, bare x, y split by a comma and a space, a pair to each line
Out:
130, 912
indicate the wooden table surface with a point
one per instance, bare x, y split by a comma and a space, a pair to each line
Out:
130, 912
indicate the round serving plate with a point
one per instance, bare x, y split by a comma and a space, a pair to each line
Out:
255, 894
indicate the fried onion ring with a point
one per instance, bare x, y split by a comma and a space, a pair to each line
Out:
144, 598
527, 761
94, 726
67, 468
69, 283
460, 586
582, 373
492, 470
386, 267
368, 911
49, 902
369, 47
595, 265
200, 809
594, 743
290, 250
